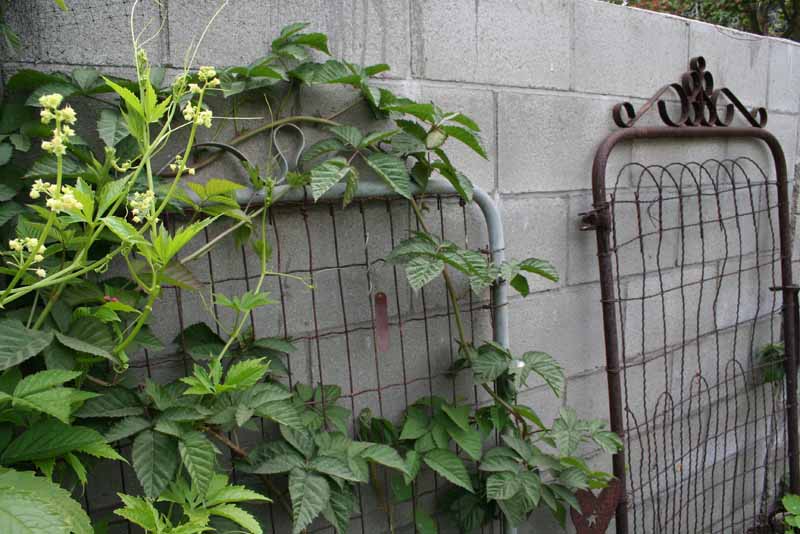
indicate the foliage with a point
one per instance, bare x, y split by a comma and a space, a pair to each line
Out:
791, 504
765, 17
70, 212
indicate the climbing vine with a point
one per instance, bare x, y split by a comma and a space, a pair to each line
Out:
72, 210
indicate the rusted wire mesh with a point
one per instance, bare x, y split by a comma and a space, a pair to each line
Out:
341, 253
695, 250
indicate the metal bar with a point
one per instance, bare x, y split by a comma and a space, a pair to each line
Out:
600, 222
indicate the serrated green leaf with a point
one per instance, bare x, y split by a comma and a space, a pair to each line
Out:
18, 344
111, 127
327, 174
114, 402
502, 486
155, 461
126, 427
238, 516
393, 171
340, 508
310, 495
47, 439
450, 466
199, 458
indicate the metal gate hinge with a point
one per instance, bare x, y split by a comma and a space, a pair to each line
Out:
595, 219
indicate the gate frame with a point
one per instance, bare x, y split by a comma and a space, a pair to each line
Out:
699, 119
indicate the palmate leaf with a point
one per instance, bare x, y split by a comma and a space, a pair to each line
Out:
310, 495
450, 466
502, 486
155, 461
18, 343
543, 365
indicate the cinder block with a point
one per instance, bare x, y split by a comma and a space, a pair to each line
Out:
536, 228
492, 42
91, 32
784, 75
480, 106
548, 142
609, 41
737, 60
567, 324
664, 308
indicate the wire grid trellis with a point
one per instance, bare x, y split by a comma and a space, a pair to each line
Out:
695, 249
341, 253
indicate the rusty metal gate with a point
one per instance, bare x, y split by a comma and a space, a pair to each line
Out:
700, 316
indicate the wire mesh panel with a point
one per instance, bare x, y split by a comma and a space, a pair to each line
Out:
699, 315
695, 250
340, 252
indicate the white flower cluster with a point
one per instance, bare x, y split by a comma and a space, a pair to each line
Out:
31, 246
208, 75
64, 117
141, 204
200, 116
65, 201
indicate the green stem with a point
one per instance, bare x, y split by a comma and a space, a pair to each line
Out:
48, 307
155, 291
451, 292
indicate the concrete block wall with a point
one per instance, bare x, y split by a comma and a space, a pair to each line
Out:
541, 78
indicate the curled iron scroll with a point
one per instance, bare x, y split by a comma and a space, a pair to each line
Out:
701, 104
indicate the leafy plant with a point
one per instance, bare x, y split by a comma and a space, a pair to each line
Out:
791, 519
67, 331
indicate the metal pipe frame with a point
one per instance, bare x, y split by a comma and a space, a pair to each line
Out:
601, 222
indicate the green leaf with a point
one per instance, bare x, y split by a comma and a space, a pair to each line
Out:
489, 363
386, 456
340, 508
609, 441
792, 504
310, 494
238, 516
416, 424
140, 512
450, 466
114, 402
79, 345
34, 505
18, 344
335, 467
543, 365
393, 171
111, 127
5, 153
424, 523
566, 431
127, 96
348, 134
321, 148
124, 230
199, 458
62, 88
327, 174
542, 268
272, 458
47, 439
126, 427
155, 461
423, 270
467, 137
245, 374
531, 486
43, 380
502, 486
469, 440
458, 414
500, 459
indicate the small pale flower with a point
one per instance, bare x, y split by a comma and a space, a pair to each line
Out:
46, 116
194, 88
207, 73
37, 258
173, 167
67, 131
213, 83
35, 194
190, 170
204, 117
137, 219
15, 245
188, 112
41, 273
67, 115
51, 101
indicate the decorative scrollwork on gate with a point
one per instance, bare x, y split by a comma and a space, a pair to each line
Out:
701, 105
